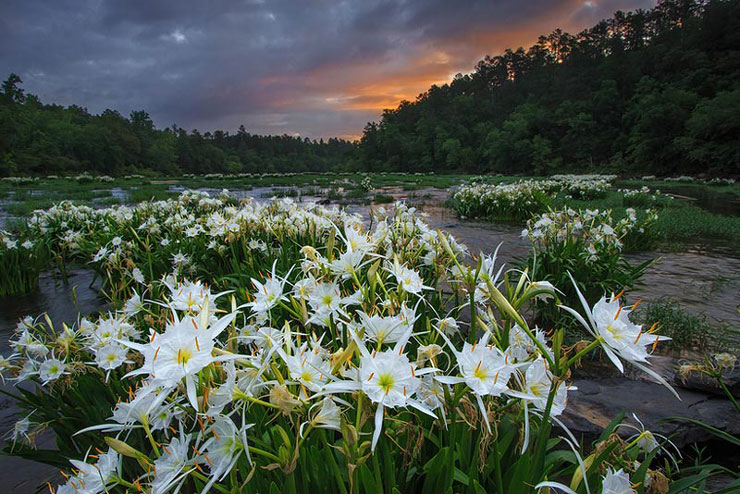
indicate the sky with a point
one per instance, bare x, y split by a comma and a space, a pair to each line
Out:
314, 68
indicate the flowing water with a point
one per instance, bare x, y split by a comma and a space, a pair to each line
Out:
704, 279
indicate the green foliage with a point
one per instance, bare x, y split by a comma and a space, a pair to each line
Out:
691, 222
586, 247
382, 199
20, 264
686, 329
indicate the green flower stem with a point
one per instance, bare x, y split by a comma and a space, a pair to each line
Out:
583, 352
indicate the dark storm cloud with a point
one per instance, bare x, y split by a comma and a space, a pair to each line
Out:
316, 68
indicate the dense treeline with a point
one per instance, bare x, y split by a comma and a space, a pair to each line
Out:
39, 139
653, 91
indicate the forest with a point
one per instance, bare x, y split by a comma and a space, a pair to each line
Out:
644, 92
653, 91
42, 139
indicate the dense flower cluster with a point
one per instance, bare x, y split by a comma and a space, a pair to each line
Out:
584, 186
521, 199
594, 232
644, 197
330, 345
517, 200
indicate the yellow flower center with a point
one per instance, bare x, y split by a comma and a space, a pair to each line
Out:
614, 332
385, 381
183, 355
480, 371
535, 389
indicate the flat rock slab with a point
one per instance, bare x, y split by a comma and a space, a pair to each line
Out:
597, 401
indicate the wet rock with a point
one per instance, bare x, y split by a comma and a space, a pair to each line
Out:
598, 401
700, 382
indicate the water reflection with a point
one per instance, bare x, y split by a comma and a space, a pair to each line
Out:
55, 298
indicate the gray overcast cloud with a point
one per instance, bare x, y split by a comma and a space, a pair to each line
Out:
314, 68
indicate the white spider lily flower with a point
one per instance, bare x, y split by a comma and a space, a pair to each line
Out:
431, 393
326, 299
27, 343
28, 370
179, 260
537, 386
172, 468
137, 275
181, 351
146, 407
19, 431
92, 478
223, 395
133, 305
388, 378
357, 241
101, 254
308, 367
623, 336
111, 356
619, 337
267, 337
408, 279
269, 294
382, 329
484, 368
521, 346
192, 296
616, 483
110, 329
488, 266
223, 448
647, 441
329, 415
448, 326
302, 288
347, 263
51, 369
545, 289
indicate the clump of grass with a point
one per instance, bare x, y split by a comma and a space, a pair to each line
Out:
334, 195
687, 330
690, 221
383, 198
157, 193
411, 186
284, 192
355, 194
312, 191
